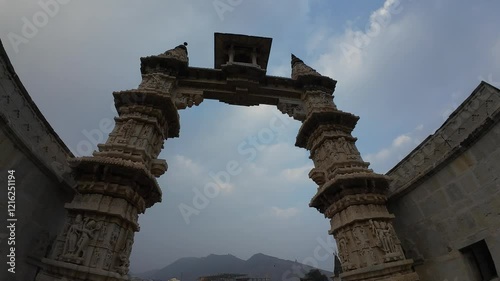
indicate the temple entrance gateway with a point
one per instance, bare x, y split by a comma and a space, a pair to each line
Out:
118, 181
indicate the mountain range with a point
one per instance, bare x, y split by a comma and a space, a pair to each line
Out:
259, 265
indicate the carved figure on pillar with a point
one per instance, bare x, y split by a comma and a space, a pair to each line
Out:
126, 131
387, 240
344, 245
77, 239
118, 181
73, 234
123, 258
349, 193
85, 237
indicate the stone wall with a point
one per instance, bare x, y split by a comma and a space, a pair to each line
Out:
29, 145
39, 208
451, 199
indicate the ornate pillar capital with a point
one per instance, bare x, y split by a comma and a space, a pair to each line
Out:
294, 110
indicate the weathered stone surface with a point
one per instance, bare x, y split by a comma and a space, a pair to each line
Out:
118, 182
432, 204
457, 192
454, 193
445, 194
349, 193
29, 145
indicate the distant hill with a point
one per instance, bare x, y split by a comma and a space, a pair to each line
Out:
259, 265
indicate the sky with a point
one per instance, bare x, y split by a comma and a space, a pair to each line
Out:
401, 65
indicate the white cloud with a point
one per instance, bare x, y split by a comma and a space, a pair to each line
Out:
296, 174
386, 157
226, 187
380, 156
401, 140
186, 163
317, 38
284, 213
257, 170
348, 53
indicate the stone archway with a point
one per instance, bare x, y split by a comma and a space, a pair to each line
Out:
118, 182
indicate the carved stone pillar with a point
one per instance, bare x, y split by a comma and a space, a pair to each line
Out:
349, 193
118, 181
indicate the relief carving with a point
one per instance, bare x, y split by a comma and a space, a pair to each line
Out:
78, 237
341, 150
107, 260
58, 250
126, 131
320, 156
147, 131
96, 257
114, 237
319, 100
344, 244
366, 253
156, 82
335, 150
123, 258
387, 240
361, 237
72, 236
86, 235
141, 143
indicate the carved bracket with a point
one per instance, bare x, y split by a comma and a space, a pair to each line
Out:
187, 99
158, 167
296, 111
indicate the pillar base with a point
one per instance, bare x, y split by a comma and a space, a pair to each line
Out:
63, 271
393, 271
